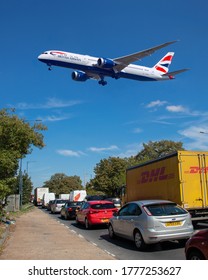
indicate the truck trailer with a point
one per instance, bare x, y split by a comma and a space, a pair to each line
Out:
38, 195
181, 177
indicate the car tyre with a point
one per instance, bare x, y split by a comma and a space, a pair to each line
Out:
138, 240
195, 255
111, 232
87, 224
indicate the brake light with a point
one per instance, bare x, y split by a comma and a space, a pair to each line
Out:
69, 209
147, 211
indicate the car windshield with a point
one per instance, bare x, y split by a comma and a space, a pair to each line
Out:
103, 206
165, 209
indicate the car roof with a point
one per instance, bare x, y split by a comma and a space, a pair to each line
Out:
151, 201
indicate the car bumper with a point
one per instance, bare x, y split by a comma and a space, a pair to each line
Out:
154, 237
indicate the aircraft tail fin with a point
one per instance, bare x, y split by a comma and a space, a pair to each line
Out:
163, 65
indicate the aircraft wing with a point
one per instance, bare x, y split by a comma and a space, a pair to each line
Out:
124, 61
92, 75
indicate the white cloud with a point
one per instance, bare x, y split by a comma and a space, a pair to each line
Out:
98, 150
137, 130
197, 140
70, 153
51, 103
176, 109
156, 103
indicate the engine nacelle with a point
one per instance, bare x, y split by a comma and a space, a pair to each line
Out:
79, 76
105, 63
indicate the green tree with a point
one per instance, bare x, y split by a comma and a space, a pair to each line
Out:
17, 138
60, 183
109, 175
153, 150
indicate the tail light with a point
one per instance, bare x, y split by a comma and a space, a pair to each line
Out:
147, 211
69, 209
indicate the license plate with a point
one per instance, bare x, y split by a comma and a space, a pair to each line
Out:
173, 224
105, 220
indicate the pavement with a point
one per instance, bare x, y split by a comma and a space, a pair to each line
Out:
37, 236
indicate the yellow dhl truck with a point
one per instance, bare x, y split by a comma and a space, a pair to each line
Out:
181, 177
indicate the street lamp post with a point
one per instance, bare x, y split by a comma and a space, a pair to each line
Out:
30, 161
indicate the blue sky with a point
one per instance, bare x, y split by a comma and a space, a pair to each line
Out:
87, 122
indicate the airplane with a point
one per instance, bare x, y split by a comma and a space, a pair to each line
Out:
89, 67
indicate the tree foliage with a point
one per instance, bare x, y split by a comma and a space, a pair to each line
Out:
60, 183
17, 138
153, 150
109, 174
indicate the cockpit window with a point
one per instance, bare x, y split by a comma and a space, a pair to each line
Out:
45, 52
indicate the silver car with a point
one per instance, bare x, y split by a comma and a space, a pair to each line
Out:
57, 205
151, 221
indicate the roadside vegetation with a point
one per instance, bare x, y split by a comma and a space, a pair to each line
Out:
17, 139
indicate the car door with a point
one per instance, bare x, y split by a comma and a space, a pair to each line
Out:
120, 220
82, 212
129, 222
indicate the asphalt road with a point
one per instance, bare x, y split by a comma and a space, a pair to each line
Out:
123, 249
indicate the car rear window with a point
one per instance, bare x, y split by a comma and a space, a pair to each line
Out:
165, 209
74, 203
103, 206
61, 201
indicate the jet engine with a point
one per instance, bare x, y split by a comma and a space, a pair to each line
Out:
105, 63
79, 76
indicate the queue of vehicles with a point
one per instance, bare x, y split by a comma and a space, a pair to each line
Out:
163, 199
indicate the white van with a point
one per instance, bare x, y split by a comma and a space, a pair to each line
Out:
46, 198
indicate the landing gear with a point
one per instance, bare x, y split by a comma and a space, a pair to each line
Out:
102, 82
49, 67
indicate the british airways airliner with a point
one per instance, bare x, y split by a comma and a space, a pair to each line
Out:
89, 67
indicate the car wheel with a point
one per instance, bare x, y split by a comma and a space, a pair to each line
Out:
138, 240
195, 255
87, 224
111, 231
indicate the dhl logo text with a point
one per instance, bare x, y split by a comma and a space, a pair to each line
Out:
157, 174
197, 169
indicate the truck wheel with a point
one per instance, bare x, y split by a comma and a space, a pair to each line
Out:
138, 240
111, 231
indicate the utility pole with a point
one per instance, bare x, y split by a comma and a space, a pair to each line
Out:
20, 184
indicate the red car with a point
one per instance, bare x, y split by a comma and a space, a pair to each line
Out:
95, 212
196, 247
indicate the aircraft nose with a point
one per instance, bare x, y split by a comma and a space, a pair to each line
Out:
40, 57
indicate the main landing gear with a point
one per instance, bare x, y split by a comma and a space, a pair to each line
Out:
102, 82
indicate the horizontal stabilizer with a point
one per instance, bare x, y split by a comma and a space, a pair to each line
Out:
176, 72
